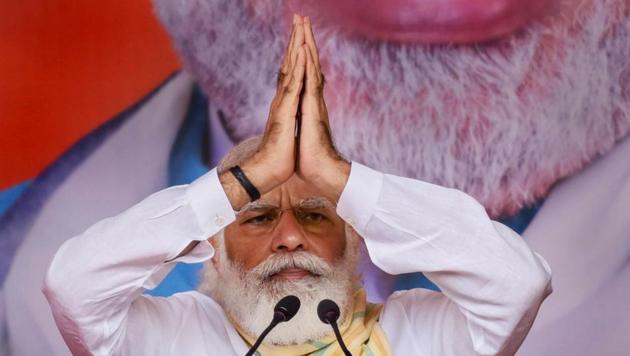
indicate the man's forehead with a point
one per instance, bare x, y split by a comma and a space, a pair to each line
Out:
293, 193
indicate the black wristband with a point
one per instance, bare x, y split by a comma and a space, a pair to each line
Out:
240, 176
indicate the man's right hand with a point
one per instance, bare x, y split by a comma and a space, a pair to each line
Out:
274, 161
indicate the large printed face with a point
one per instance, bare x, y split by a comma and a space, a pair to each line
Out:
500, 99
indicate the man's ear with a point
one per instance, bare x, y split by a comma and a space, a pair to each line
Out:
214, 242
354, 238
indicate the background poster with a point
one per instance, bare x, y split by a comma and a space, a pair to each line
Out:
96, 114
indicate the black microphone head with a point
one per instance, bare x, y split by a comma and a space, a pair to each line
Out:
328, 311
286, 308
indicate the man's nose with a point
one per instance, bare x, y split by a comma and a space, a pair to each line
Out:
288, 235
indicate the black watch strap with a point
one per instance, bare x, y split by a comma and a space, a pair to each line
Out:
240, 176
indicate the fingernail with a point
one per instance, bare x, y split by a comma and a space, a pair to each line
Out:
294, 19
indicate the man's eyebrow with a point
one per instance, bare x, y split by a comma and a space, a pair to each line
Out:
315, 203
257, 205
308, 203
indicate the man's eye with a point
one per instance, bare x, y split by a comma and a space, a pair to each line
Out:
313, 217
260, 219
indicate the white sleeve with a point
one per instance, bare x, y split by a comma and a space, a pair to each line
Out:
492, 282
96, 276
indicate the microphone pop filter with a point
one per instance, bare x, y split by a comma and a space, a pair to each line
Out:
328, 311
284, 310
287, 307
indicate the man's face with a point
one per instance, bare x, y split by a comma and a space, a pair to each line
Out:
291, 218
502, 120
289, 242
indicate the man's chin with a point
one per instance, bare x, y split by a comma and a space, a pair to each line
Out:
250, 302
253, 311
249, 297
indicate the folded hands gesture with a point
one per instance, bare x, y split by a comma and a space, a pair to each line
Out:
297, 138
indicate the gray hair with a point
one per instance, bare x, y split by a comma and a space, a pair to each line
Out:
239, 153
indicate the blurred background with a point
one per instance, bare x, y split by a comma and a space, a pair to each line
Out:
65, 68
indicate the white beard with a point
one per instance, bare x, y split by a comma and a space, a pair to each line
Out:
249, 297
501, 121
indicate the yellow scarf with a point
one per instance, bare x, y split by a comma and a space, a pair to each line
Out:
362, 335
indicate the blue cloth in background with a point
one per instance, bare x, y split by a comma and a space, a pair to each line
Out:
187, 163
520, 221
10, 195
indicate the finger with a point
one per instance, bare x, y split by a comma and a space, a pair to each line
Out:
291, 97
283, 110
314, 80
309, 39
285, 67
283, 121
298, 40
313, 105
287, 50
297, 77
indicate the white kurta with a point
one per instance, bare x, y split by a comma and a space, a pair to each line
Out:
492, 282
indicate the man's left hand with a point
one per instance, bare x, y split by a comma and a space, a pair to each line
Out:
318, 162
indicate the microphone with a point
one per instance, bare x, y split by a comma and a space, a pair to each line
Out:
284, 310
328, 312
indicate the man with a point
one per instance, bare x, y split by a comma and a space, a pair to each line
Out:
291, 241
504, 118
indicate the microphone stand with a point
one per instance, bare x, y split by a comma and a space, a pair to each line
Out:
328, 312
277, 319
284, 310
333, 323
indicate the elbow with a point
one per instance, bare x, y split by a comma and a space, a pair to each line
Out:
538, 290
541, 277
535, 287
536, 282
532, 287
528, 268
60, 299
57, 285
53, 285
56, 295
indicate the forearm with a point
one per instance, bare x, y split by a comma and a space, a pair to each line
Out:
94, 277
483, 267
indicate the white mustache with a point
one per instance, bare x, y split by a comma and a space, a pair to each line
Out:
302, 260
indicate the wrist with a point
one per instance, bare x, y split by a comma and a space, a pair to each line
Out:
236, 191
259, 175
236, 194
249, 187
335, 178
